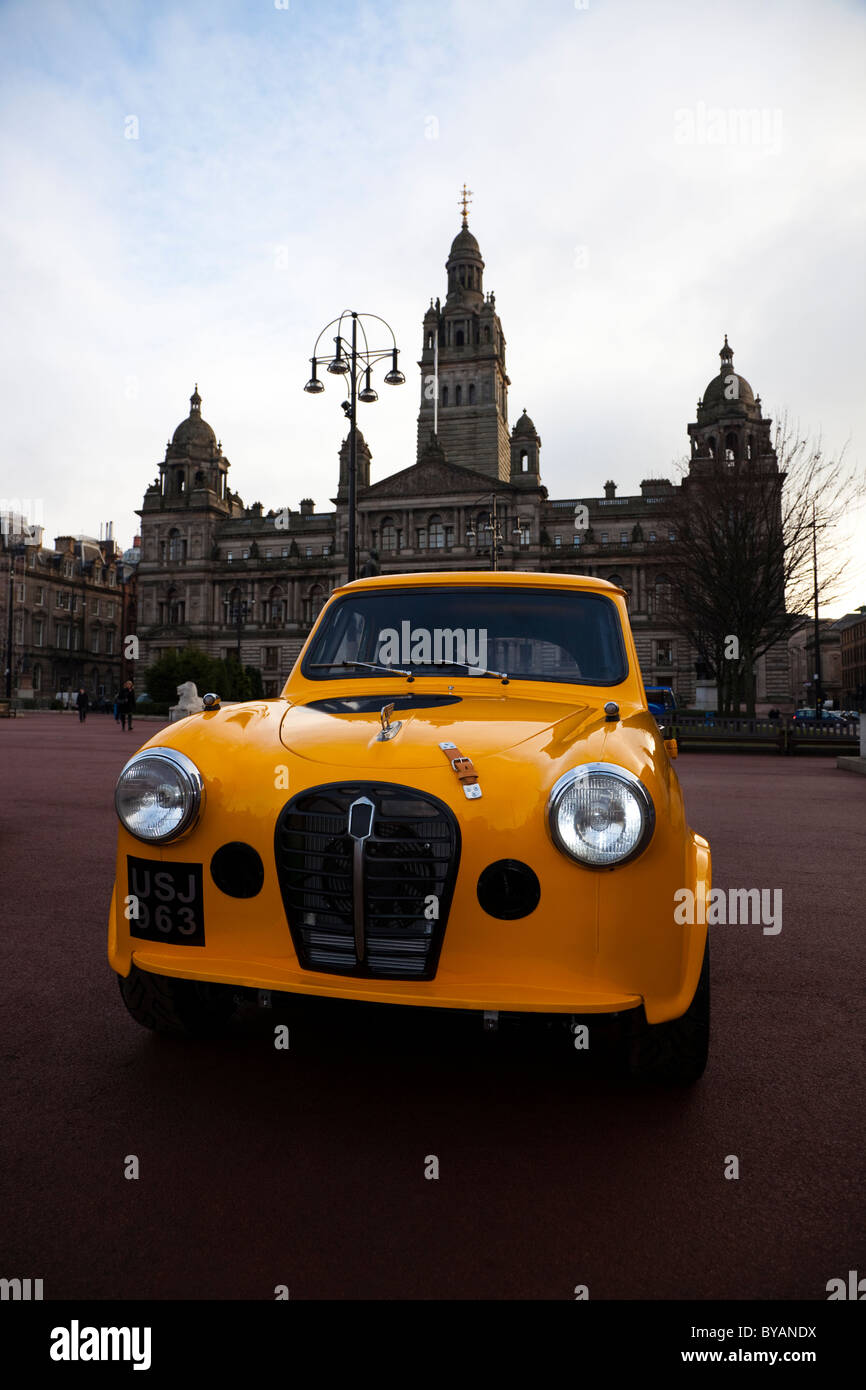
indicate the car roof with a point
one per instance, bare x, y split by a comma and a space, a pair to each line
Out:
489, 578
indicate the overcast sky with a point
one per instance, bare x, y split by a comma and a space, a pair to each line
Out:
190, 192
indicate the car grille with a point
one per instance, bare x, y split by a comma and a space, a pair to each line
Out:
411, 853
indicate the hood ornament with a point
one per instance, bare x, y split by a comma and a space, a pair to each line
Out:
388, 729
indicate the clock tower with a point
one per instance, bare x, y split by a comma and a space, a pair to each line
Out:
464, 339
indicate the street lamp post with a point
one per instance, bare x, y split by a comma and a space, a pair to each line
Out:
818, 691
360, 362
493, 526
241, 610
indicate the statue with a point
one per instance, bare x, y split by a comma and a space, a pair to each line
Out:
370, 566
188, 702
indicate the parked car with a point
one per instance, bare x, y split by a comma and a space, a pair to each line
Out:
482, 818
661, 701
808, 716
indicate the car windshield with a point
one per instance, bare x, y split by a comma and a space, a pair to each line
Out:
538, 634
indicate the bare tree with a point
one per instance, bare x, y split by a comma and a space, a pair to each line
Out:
741, 567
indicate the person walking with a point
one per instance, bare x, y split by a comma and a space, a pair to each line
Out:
115, 708
82, 702
127, 705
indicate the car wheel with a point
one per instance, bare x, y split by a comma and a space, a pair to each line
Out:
190, 1008
675, 1052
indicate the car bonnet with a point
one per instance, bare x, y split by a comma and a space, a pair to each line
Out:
480, 725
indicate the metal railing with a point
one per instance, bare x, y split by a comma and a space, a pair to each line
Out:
784, 734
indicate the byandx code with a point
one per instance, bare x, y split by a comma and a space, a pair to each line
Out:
721, 1333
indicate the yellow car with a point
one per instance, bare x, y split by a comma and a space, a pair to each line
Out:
459, 801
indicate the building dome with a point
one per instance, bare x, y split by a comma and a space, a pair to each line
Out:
720, 393
464, 246
465, 265
525, 427
728, 393
193, 435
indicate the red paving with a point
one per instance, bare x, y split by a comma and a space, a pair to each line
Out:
306, 1167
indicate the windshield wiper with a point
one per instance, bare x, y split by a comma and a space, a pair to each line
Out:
473, 670
397, 671
367, 665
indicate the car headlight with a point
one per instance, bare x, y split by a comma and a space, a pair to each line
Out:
159, 795
600, 815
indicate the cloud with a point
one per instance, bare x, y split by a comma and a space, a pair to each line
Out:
284, 170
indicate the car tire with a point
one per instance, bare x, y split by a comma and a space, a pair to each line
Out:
675, 1052
182, 1008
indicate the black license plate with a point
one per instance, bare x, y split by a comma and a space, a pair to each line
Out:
165, 902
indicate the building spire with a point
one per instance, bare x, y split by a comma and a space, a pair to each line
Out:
465, 199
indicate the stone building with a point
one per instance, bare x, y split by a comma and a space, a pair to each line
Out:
801, 651
71, 608
852, 641
235, 578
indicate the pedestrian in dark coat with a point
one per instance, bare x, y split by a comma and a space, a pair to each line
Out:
127, 705
82, 702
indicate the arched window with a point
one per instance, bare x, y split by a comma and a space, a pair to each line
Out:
436, 533
176, 547
458, 395
458, 338
730, 448
233, 603
662, 603
429, 340
524, 461
313, 603
749, 447
444, 395
472, 393
389, 538
275, 607
174, 608
711, 442
487, 333
178, 481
